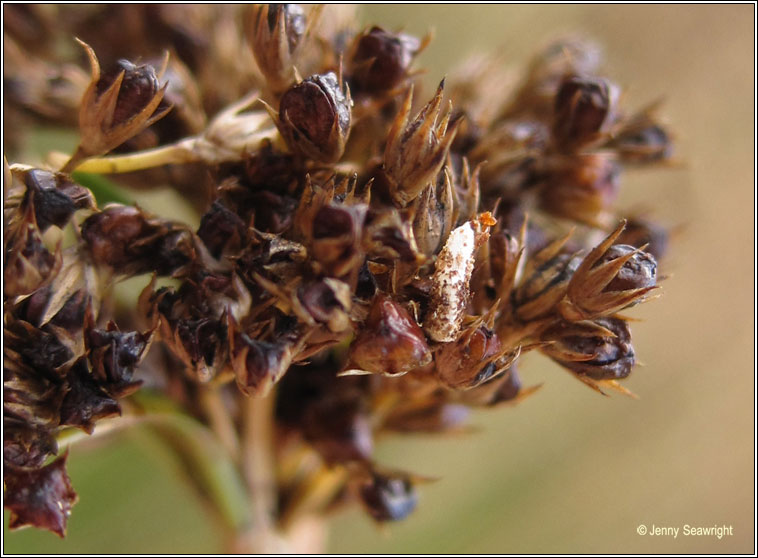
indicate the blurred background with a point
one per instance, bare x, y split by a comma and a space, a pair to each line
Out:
567, 470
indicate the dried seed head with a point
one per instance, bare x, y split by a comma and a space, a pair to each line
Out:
39, 497
258, 365
86, 402
115, 355
470, 360
327, 301
599, 350
417, 149
584, 110
570, 56
432, 417
381, 60
221, 230
29, 265
55, 197
117, 105
610, 278
314, 118
275, 32
545, 284
132, 242
642, 139
336, 238
389, 497
391, 342
582, 188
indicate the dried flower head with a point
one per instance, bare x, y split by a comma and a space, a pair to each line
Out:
357, 270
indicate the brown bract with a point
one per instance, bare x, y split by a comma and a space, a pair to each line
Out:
609, 279
275, 31
417, 149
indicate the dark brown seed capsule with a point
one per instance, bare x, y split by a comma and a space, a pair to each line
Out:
117, 105
584, 109
381, 60
131, 242
638, 272
86, 402
55, 197
258, 365
328, 301
39, 497
391, 342
221, 230
389, 497
114, 356
589, 350
139, 86
470, 360
275, 32
610, 278
314, 118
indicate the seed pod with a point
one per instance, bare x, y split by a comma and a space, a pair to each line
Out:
115, 355
642, 232
582, 188
584, 111
546, 280
434, 216
390, 342
116, 106
29, 265
642, 139
450, 282
380, 60
599, 350
416, 150
39, 497
610, 278
569, 56
470, 360
327, 301
257, 365
336, 238
314, 118
55, 197
132, 242
275, 32
221, 230
389, 497
86, 402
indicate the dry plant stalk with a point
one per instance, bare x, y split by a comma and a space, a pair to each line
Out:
369, 259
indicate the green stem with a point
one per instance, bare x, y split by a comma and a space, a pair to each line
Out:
141, 160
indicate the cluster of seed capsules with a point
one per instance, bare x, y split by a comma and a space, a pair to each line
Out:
375, 260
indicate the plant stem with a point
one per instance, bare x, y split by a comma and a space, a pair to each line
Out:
259, 472
141, 160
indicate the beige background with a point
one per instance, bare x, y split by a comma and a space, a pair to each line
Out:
566, 471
